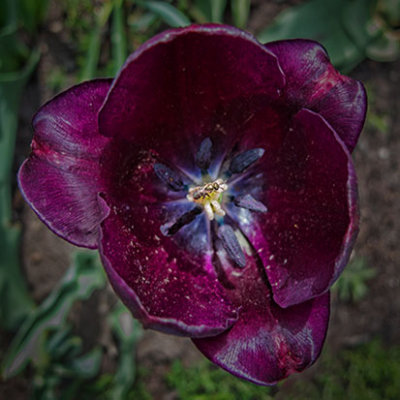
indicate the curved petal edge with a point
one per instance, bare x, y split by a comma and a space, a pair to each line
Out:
312, 82
60, 180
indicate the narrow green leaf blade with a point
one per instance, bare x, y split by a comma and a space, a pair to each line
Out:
240, 12
15, 302
118, 36
168, 13
127, 332
80, 281
217, 10
89, 68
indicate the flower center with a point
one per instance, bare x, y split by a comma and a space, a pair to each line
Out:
209, 196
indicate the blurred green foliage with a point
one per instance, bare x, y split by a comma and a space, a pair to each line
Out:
376, 120
45, 340
127, 332
205, 381
62, 369
350, 30
103, 388
367, 372
30, 342
17, 62
352, 283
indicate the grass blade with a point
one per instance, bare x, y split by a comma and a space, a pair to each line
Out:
168, 13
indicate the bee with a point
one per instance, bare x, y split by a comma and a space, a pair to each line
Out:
208, 196
205, 192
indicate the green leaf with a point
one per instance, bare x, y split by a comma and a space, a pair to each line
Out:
319, 20
86, 366
167, 12
32, 13
127, 332
143, 23
8, 15
118, 36
208, 10
217, 10
240, 12
386, 47
82, 278
13, 53
357, 21
390, 11
15, 302
90, 64
352, 284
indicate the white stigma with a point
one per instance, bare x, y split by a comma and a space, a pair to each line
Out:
208, 196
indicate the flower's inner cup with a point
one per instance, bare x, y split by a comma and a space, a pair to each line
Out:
216, 197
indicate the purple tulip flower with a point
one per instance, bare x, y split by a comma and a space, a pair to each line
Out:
214, 176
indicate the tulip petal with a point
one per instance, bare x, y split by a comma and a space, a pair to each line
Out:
268, 343
309, 188
312, 82
164, 276
165, 287
60, 180
185, 78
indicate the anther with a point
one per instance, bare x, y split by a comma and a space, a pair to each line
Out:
249, 202
232, 245
168, 176
244, 160
203, 155
184, 219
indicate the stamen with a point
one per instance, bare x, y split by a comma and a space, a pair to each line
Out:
187, 218
209, 211
249, 202
168, 176
231, 245
243, 160
203, 155
217, 208
209, 196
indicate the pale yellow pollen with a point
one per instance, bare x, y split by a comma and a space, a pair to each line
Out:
208, 196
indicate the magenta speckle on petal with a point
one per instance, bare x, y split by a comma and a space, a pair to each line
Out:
214, 176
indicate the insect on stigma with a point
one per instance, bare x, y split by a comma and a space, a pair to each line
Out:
208, 196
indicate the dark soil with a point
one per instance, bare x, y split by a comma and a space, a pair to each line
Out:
45, 257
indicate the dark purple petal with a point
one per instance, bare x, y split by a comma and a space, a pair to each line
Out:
60, 180
312, 82
194, 82
309, 188
166, 287
165, 278
267, 343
